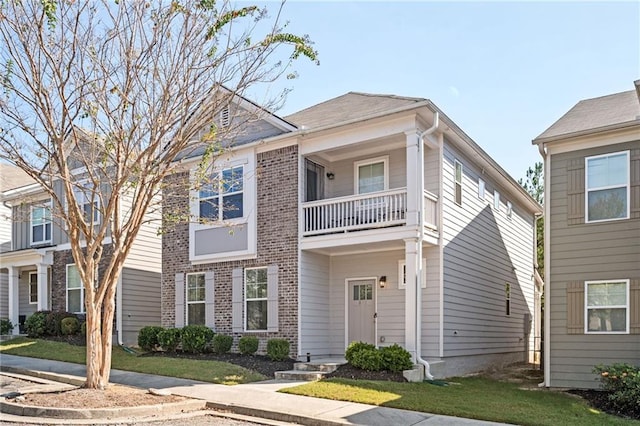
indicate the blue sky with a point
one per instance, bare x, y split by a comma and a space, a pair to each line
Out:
503, 71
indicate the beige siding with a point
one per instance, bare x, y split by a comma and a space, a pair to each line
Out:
140, 302
583, 252
483, 251
146, 251
315, 335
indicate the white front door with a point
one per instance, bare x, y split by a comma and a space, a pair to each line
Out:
362, 310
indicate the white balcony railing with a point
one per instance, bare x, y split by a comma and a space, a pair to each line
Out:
430, 214
357, 212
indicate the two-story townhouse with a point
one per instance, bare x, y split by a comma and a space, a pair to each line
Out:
592, 238
41, 274
374, 219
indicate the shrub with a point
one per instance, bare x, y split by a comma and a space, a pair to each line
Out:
83, 328
6, 326
35, 324
148, 337
248, 345
196, 338
221, 343
277, 349
354, 348
395, 358
69, 326
53, 322
169, 339
623, 382
368, 359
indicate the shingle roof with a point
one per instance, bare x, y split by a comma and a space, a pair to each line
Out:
596, 113
12, 177
350, 106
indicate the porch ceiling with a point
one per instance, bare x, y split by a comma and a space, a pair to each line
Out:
363, 148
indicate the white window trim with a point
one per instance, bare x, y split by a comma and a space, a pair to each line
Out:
586, 306
587, 190
245, 300
402, 285
247, 158
496, 200
31, 302
356, 171
82, 300
45, 205
457, 163
220, 196
481, 188
186, 296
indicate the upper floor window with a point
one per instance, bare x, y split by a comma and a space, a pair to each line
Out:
496, 200
41, 224
195, 300
88, 201
509, 209
607, 306
256, 298
371, 175
222, 198
458, 183
481, 189
607, 187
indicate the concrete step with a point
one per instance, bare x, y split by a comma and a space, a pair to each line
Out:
308, 376
327, 367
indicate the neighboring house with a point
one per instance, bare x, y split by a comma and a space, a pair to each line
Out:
364, 218
40, 272
592, 238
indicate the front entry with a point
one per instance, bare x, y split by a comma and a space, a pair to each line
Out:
362, 310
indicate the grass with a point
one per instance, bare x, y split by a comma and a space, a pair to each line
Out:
473, 397
203, 370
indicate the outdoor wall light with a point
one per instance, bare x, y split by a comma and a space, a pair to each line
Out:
383, 281
331, 176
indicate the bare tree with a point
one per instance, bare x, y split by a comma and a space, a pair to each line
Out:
100, 98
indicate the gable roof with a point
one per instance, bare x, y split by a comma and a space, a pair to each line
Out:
350, 106
594, 115
12, 177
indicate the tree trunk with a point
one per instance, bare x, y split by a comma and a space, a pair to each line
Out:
99, 341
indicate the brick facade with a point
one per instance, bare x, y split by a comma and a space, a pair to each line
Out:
277, 243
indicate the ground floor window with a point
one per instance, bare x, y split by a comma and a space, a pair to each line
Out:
33, 288
255, 291
195, 299
75, 290
607, 306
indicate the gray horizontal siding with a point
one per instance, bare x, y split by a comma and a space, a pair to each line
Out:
483, 250
140, 302
584, 252
314, 300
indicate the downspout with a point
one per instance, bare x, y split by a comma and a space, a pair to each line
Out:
419, 360
547, 268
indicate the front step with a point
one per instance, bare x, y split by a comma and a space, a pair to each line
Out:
308, 371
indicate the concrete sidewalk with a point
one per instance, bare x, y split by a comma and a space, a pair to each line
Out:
254, 399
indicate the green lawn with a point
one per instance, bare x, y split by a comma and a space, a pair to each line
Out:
473, 397
208, 371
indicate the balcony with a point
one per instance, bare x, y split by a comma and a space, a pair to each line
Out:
373, 210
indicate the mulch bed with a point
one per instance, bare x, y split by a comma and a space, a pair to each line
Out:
348, 371
600, 399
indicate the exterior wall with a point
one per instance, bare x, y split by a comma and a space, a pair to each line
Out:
315, 289
24, 307
146, 250
343, 184
140, 302
484, 250
4, 294
586, 252
277, 237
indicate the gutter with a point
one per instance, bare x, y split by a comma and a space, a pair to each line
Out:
419, 360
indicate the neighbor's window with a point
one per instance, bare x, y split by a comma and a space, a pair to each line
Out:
402, 274
607, 306
225, 189
195, 309
507, 298
255, 294
75, 290
41, 224
88, 201
509, 209
481, 189
496, 200
33, 288
607, 187
458, 183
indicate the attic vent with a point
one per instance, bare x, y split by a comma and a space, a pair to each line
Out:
224, 117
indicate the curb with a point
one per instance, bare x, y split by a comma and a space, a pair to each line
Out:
62, 378
102, 413
274, 415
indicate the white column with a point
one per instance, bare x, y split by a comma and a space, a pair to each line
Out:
413, 178
14, 302
43, 287
413, 253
